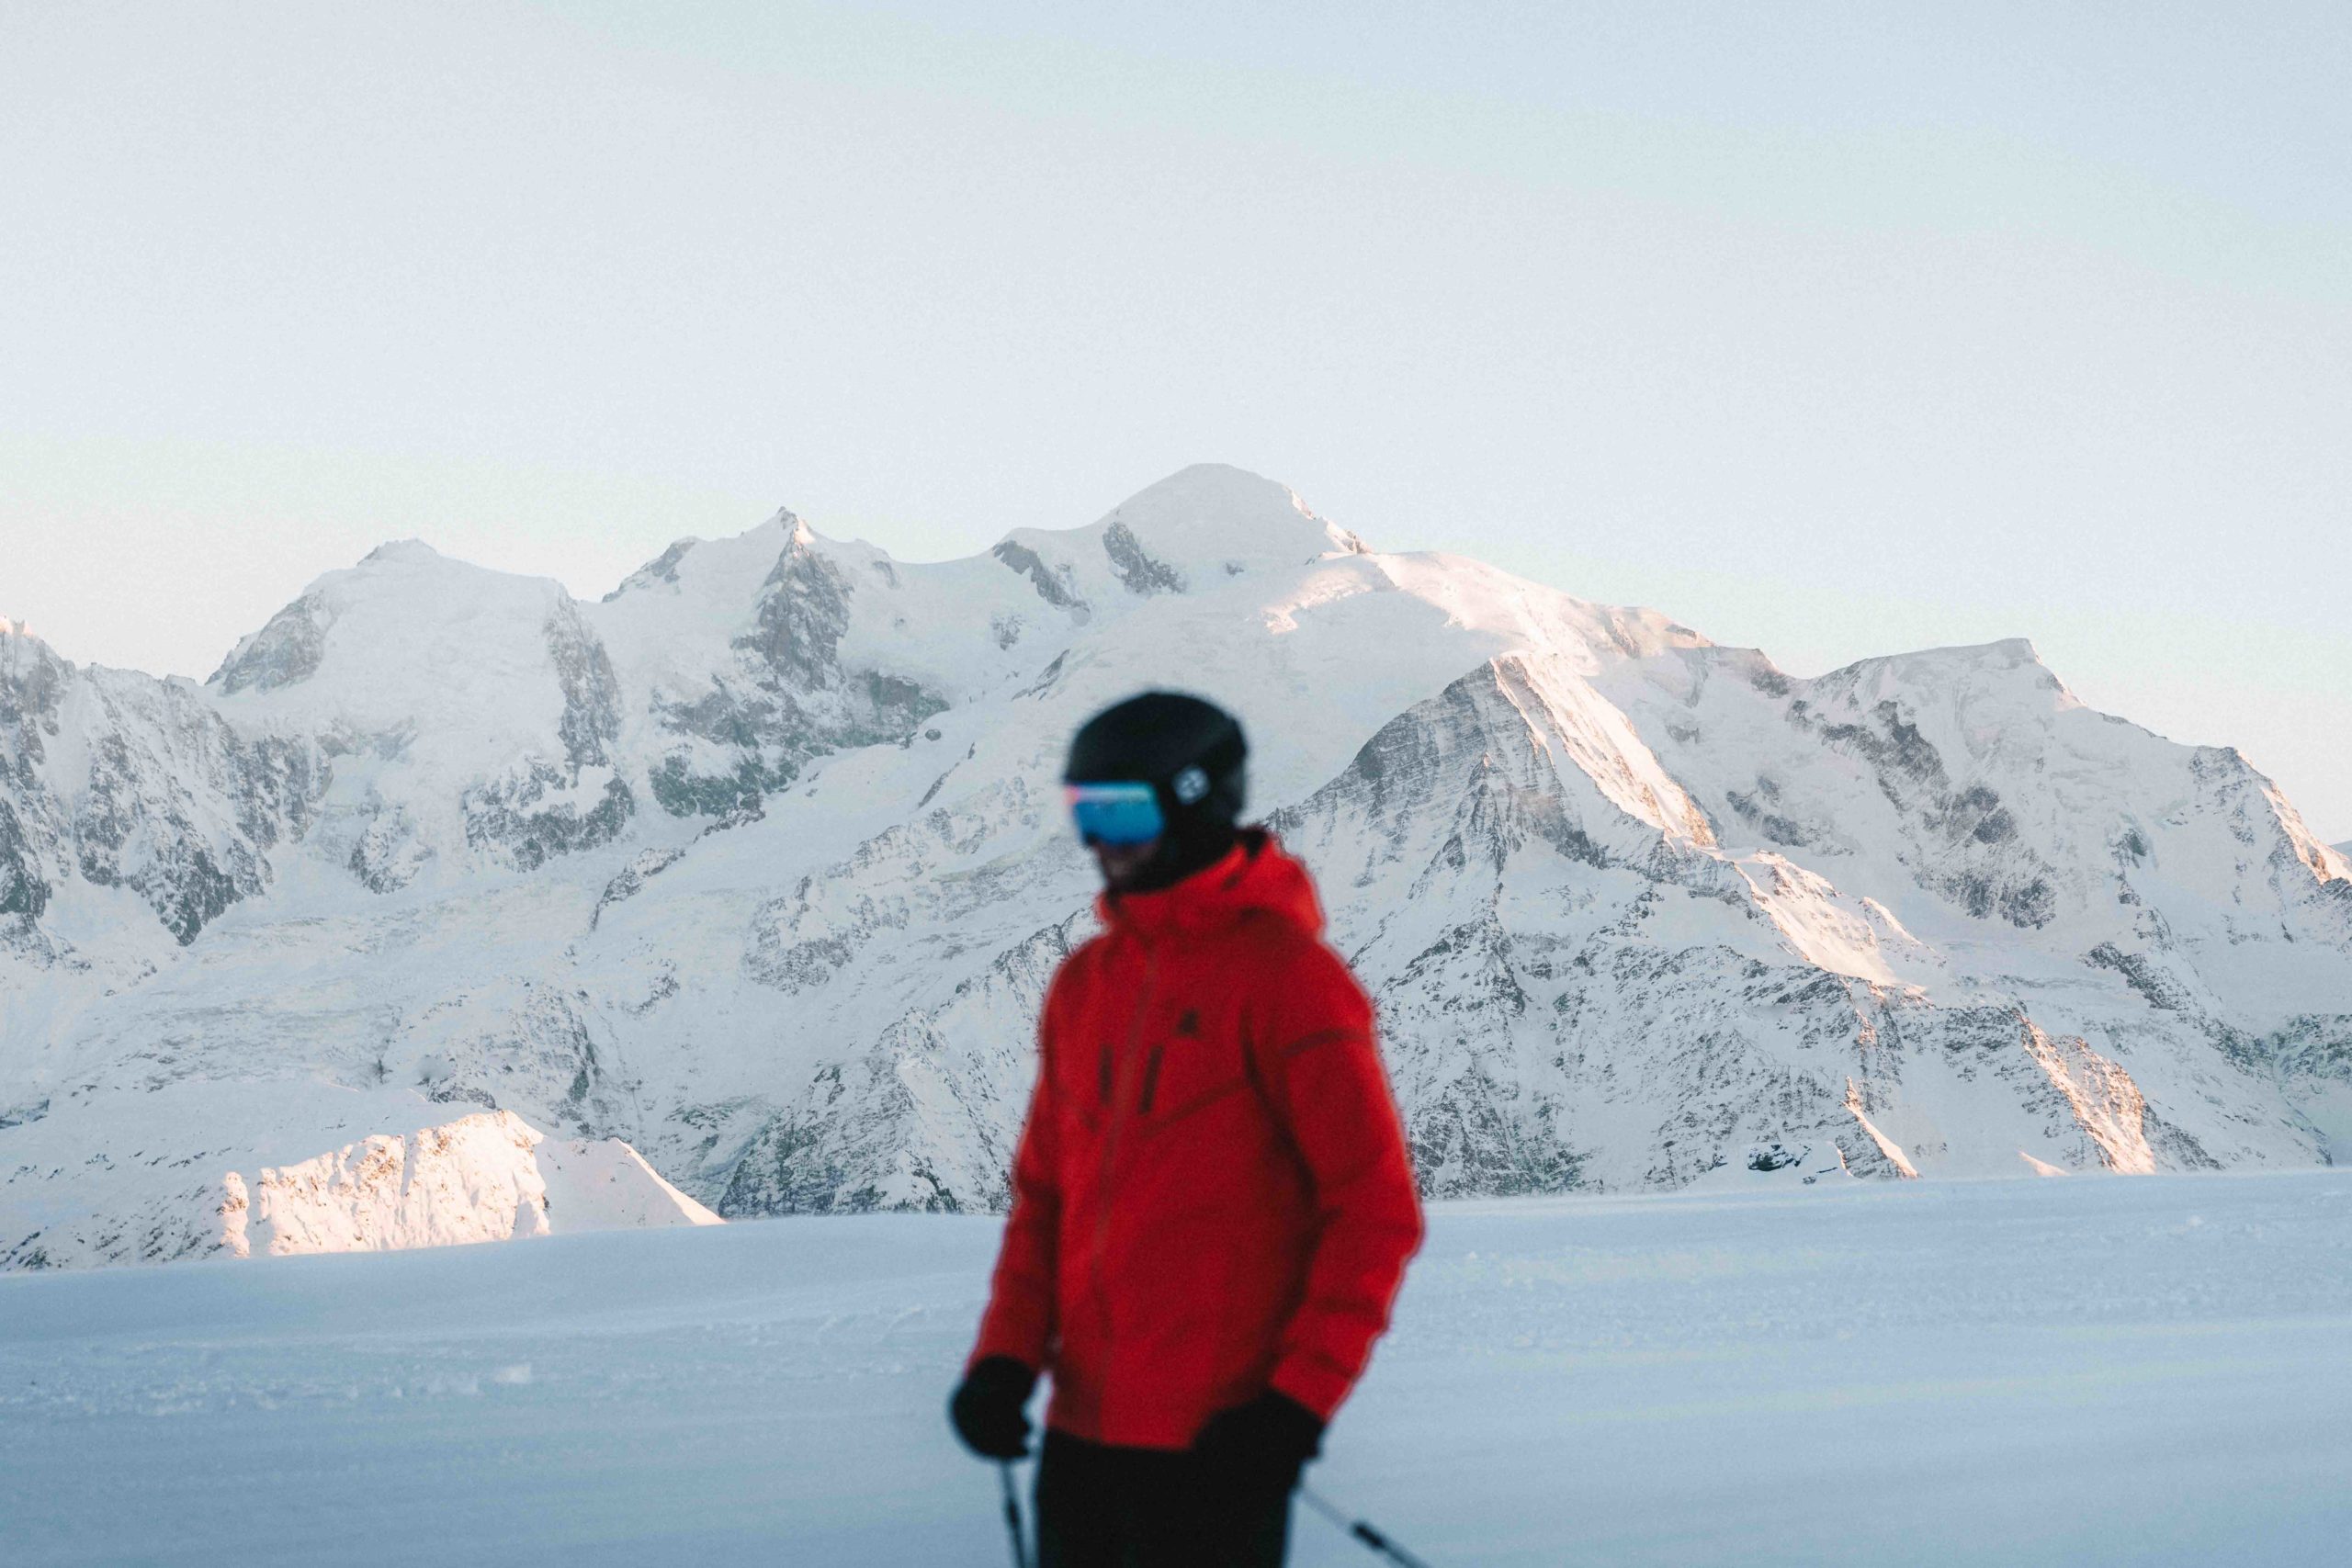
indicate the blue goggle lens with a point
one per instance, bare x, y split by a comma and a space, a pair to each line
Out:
1115, 813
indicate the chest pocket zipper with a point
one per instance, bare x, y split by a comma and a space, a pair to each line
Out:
1150, 1080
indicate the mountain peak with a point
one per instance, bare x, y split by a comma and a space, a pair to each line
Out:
1214, 516
18, 636
1205, 492
2002, 653
403, 596
1938, 666
401, 550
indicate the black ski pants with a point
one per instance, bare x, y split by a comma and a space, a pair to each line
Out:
1109, 1507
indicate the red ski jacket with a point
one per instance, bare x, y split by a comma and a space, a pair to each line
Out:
1212, 1196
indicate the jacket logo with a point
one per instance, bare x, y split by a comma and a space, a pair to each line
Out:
1191, 1023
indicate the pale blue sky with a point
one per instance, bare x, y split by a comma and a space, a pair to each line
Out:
1836, 330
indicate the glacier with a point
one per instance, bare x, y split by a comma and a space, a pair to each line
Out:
756, 867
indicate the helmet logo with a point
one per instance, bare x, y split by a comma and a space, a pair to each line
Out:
1189, 786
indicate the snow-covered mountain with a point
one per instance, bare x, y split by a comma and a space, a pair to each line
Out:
759, 864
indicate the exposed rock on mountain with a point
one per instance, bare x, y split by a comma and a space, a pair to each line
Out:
488, 1177
759, 864
114, 780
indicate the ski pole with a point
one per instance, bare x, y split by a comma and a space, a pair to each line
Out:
1360, 1530
1013, 1513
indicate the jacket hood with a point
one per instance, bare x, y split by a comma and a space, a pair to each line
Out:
1257, 876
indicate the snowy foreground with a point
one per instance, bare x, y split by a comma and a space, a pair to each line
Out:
2087, 1371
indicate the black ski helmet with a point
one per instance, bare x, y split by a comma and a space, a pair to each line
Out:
1190, 751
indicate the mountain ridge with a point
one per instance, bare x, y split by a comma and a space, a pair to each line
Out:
756, 863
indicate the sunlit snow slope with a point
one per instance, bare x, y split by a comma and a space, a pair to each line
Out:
758, 865
2084, 1372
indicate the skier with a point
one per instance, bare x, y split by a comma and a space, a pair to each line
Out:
1212, 1201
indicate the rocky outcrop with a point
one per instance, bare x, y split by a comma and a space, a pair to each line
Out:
1056, 586
487, 1176
287, 651
1133, 566
788, 698
120, 781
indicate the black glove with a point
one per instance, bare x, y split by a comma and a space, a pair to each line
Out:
987, 1407
1258, 1448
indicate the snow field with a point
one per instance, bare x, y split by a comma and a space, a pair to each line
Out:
2090, 1370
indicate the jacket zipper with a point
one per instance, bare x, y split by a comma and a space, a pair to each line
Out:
1150, 1080
1108, 1180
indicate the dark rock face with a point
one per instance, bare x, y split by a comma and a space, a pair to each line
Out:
2314, 1045
177, 806
22, 889
504, 818
285, 651
775, 731
386, 855
592, 695
180, 808
662, 569
630, 880
1134, 566
32, 687
818, 1159
1970, 851
520, 816
540, 1048
1057, 588
790, 701
1759, 809
684, 793
804, 610
1889, 741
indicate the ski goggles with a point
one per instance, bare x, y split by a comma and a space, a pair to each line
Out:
1116, 814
